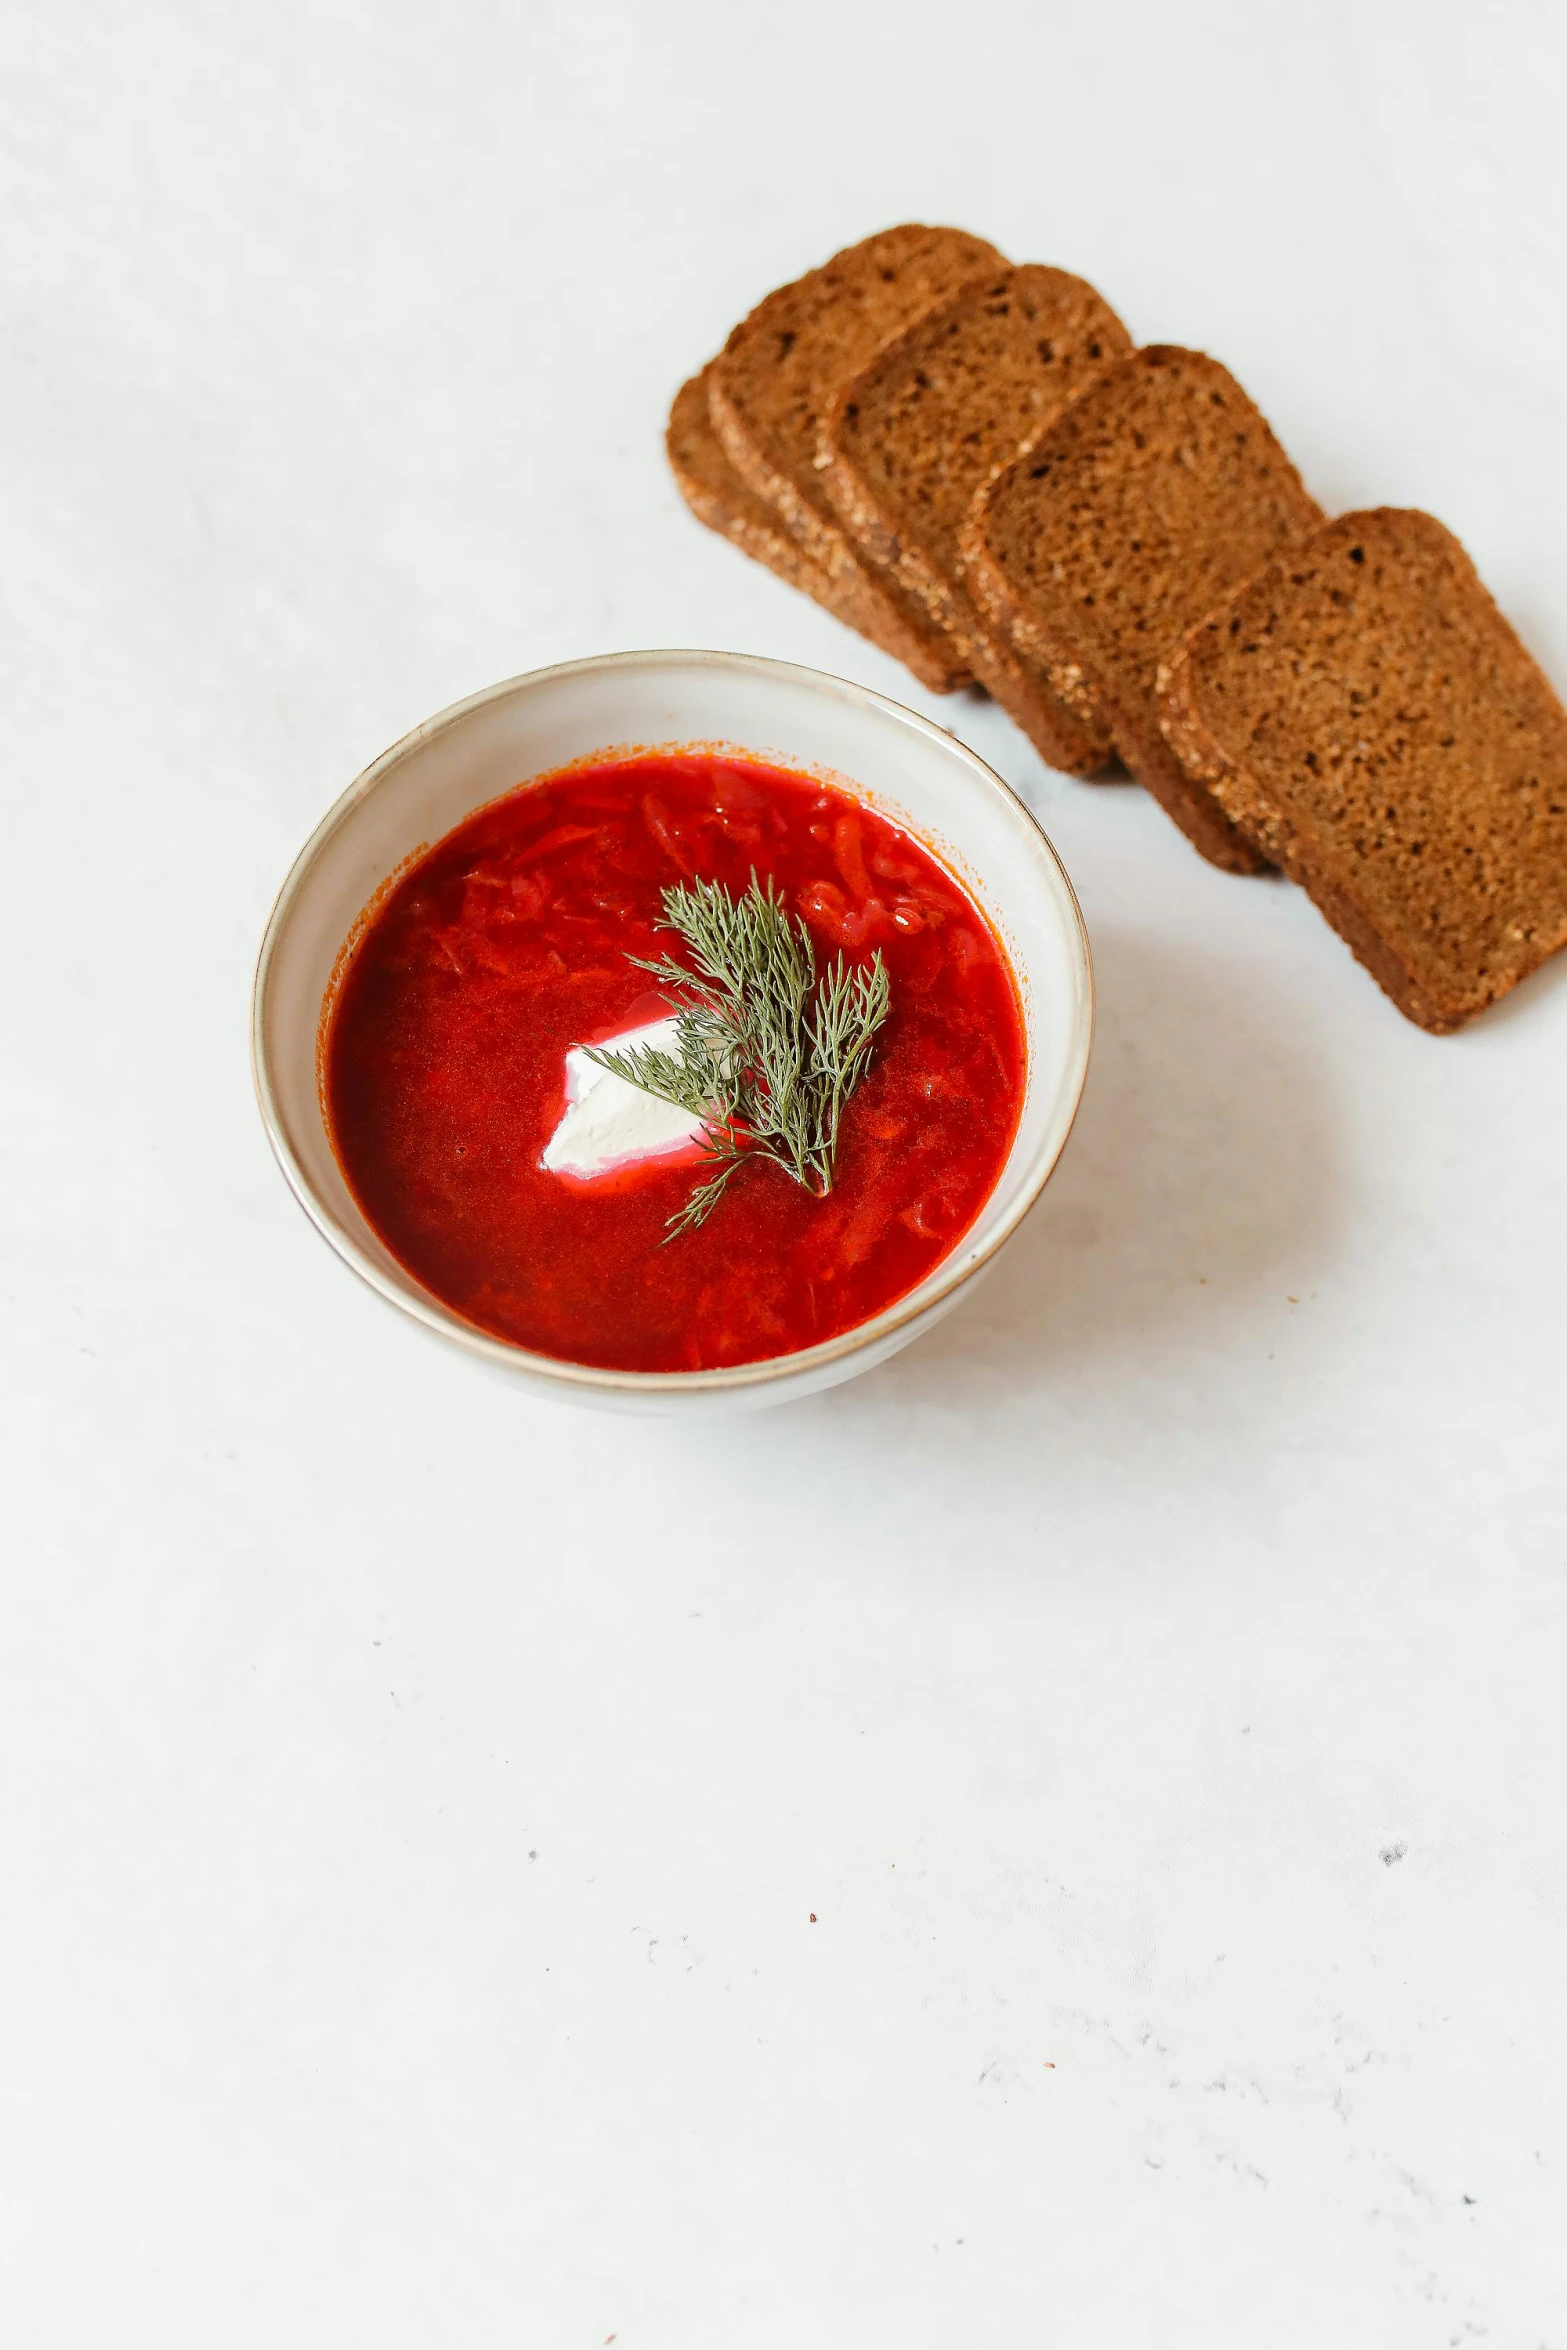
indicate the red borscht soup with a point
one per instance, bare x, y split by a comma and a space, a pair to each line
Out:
505, 948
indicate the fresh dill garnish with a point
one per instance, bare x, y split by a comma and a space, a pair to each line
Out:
766, 1053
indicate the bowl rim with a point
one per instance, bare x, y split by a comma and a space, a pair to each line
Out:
443, 1321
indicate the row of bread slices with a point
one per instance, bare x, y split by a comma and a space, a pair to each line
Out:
972, 465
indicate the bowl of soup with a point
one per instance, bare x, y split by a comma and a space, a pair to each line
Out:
673, 1031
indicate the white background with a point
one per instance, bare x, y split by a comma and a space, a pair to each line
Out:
413, 1799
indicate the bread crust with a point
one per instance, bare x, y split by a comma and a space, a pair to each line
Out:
1150, 498
1366, 714
719, 498
906, 443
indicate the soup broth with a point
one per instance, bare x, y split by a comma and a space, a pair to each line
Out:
508, 944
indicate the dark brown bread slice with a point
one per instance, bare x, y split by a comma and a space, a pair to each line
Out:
1148, 501
717, 496
782, 365
1368, 716
911, 438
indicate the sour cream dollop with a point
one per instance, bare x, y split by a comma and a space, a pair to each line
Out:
609, 1125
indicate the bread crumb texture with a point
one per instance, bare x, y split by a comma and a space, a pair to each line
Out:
1147, 502
774, 378
781, 367
782, 364
1368, 716
927, 422
907, 442
718, 497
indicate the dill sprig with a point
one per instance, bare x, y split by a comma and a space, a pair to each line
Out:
766, 1054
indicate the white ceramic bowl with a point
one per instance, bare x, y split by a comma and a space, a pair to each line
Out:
426, 784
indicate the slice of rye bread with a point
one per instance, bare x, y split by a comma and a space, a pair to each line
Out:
1366, 714
1155, 494
908, 441
782, 365
717, 496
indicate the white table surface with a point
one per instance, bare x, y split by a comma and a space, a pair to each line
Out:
413, 1799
